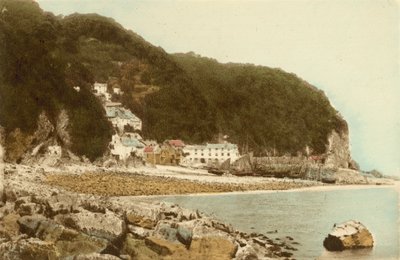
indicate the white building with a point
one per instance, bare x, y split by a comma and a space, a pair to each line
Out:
210, 153
100, 89
117, 90
121, 117
126, 145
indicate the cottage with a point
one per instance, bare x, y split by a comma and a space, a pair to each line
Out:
117, 90
121, 118
124, 146
166, 154
210, 153
100, 90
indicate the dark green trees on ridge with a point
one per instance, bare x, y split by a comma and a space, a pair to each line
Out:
43, 56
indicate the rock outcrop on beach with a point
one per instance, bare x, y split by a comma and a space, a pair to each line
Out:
45, 222
348, 235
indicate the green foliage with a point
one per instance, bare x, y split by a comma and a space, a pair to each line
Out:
263, 108
37, 74
42, 57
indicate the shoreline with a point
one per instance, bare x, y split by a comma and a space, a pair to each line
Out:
316, 188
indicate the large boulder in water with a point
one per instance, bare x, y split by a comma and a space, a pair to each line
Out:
348, 235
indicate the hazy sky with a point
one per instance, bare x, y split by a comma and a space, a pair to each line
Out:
348, 48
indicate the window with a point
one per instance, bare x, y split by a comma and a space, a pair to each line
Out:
229, 154
216, 154
209, 154
202, 154
222, 154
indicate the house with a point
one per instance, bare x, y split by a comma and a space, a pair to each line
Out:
121, 117
166, 154
100, 90
210, 153
117, 90
122, 147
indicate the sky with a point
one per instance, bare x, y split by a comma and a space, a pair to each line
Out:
348, 48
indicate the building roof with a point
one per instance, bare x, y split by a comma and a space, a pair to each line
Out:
148, 149
113, 111
196, 146
98, 84
220, 146
176, 143
131, 141
113, 104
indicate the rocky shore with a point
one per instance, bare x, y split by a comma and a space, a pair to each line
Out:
44, 221
128, 184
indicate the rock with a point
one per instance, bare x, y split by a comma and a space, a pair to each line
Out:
93, 206
143, 216
60, 204
338, 151
137, 249
29, 224
108, 226
212, 248
246, 253
96, 256
259, 241
160, 246
72, 243
31, 248
12, 194
139, 232
29, 208
222, 227
184, 236
67, 241
348, 235
62, 125
167, 232
10, 225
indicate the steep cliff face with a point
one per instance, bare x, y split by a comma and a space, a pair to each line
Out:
62, 125
338, 150
28, 148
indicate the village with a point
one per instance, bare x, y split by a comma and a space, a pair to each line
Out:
221, 157
127, 142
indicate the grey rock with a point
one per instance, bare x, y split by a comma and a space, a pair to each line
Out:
108, 226
184, 236
96, 256
139, 232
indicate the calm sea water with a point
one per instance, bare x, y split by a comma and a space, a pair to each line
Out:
308, 216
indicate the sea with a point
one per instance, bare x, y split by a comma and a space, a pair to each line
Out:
308, 216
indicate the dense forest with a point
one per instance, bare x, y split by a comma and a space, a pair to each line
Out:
43, 56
